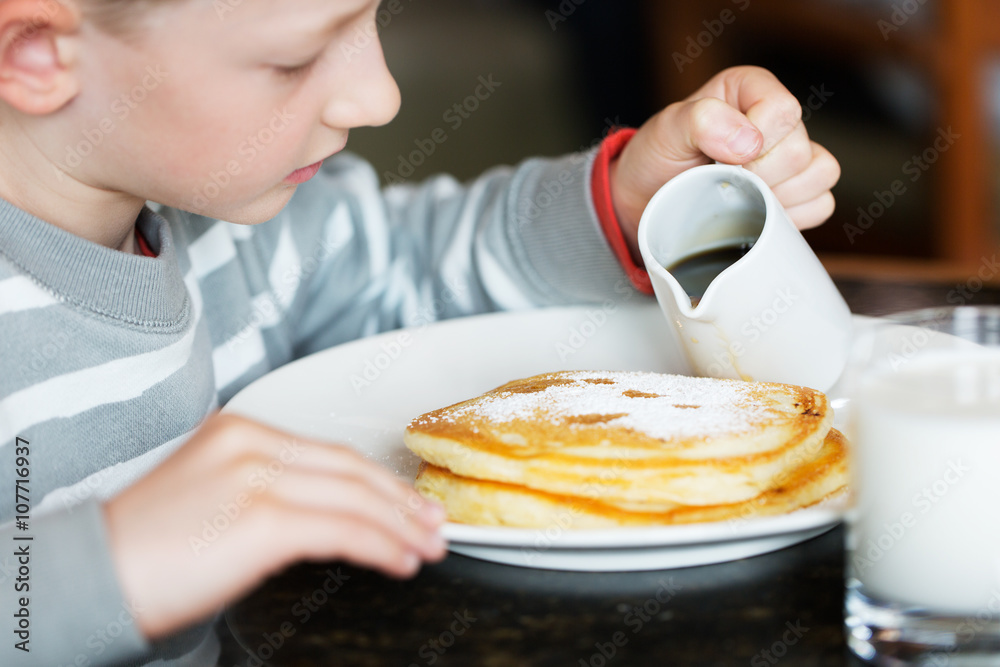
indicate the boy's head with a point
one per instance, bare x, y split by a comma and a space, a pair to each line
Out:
205, 105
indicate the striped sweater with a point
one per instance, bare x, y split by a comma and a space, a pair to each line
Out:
109, 361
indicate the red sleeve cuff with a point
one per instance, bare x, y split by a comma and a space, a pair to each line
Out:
600, 188
143, 244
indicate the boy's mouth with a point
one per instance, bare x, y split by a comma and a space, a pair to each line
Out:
304, 174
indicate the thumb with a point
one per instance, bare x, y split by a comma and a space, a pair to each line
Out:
682, 136
709, 127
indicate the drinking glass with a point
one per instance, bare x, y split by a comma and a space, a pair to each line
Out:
923, 531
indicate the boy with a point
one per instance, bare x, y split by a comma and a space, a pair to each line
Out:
123, 330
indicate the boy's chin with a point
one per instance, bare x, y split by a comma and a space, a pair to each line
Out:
260, 210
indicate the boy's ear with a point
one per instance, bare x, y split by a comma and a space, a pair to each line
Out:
37, 64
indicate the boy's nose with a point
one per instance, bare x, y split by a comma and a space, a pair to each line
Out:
365, 94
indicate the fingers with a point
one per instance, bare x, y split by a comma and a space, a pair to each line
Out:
306, 475
784, 159
340, 461
412, 525
819, 174
318, 535
806, 195
743, 115
266, 454
813, 213
799, 171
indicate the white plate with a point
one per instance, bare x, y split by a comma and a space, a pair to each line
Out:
364, 393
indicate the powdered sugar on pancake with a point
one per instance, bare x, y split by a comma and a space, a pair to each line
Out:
661, 406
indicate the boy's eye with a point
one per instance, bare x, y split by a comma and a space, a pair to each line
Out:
296, 71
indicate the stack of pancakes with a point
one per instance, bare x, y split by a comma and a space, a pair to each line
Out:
603, 449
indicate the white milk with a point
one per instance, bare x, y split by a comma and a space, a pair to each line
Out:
925, 529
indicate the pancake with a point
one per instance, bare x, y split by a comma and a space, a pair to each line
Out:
628, 438
485, 503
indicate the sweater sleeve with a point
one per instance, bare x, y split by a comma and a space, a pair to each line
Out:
64, 615
515, 238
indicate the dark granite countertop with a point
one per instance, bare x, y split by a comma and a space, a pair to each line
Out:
779, 608
468, 612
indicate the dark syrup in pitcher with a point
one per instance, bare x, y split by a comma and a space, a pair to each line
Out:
696, 272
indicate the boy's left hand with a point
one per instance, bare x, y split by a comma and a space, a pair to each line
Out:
743, 115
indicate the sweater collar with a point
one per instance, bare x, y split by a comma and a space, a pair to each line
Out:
142, 291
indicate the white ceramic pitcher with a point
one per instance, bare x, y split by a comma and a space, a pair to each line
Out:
774, 314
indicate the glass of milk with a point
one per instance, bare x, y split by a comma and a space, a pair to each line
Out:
923, 532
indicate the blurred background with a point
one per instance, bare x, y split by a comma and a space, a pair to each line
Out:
906, 94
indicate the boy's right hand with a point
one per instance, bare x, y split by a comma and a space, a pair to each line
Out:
272, 499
